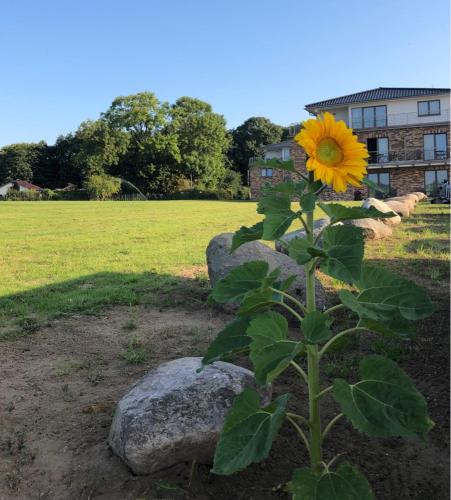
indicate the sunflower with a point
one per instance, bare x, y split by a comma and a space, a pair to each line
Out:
334, 154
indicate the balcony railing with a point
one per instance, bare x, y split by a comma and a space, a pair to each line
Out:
402, 119
408, 156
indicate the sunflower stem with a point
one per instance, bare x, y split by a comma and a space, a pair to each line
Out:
315, 448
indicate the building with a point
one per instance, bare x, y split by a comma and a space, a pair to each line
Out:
406, 131
18, 186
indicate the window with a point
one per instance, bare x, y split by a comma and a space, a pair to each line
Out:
286, 154
382, 179
266, 172
427, 108
433, 181
370, 117
435, 146
378, 150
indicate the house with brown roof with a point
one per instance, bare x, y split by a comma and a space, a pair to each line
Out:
18, 185
406, 131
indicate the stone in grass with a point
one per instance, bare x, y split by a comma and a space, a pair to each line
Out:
220, 262
399, 207
175, 414
420, 195
373, 229
407, 200
382, 207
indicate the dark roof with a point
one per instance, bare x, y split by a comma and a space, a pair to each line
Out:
379, 94
27, 185
278, 145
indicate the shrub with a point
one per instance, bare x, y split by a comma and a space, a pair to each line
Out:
16, 195
102, 187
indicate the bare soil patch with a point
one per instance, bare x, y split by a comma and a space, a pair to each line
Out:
59, 387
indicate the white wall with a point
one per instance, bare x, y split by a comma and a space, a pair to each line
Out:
5, 188
283, 153
405, 111
277, 153
340, 114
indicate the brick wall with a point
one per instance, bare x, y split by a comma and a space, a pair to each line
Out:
402, 179
299, 158
404, 138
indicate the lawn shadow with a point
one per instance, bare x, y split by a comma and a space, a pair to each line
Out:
89, 294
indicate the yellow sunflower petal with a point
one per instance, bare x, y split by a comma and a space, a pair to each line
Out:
335, 155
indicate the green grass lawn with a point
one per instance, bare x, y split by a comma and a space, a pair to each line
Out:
65, 257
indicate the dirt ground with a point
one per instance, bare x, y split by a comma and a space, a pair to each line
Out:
59, 387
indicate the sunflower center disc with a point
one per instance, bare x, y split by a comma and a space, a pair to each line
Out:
329, 152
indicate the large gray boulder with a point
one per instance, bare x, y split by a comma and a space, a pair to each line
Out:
382, 207
175, 414
399, 207
318, 225
373, 229
220, 262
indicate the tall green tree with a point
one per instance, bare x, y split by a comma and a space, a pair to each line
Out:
19, 161
152, 159
202, 139
248, 140
99, 147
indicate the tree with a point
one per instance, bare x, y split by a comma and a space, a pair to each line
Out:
248, 139
203, 141
139, 114
100, 147
101, 186
19, 161
152, 159
65, 150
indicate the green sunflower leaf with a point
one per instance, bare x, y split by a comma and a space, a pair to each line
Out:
271, 351
242, 279
258, 300
278, 215
347, 483
248, 432
307, 202
231, 339
384, 295
316, 327
344, 248
339, 212
397, 326
246, 234
302, 251
385, 402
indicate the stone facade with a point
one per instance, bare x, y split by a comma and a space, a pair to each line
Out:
403, 179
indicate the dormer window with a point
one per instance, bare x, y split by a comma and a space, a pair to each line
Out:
429, 108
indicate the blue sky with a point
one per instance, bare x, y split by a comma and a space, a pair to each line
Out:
64, 61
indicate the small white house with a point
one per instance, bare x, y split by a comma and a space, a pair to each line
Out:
18, 185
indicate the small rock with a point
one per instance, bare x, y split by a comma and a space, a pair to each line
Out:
174, 414
220, 262
382, 207
373, 229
